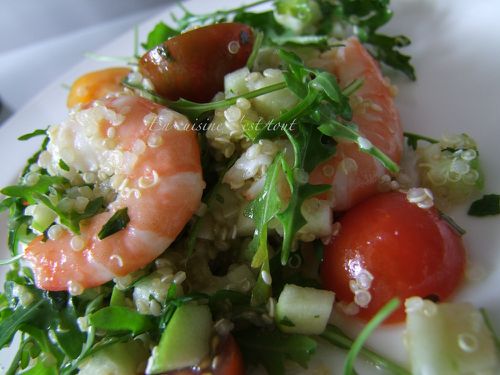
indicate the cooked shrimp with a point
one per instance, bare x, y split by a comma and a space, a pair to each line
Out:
151, 158
95, 85
355, 175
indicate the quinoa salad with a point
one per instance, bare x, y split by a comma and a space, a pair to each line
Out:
235, 197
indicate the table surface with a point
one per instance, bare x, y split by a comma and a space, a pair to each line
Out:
55, 35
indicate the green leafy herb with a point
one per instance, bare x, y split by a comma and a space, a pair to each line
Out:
413, 138
29, 193
357, 345
33, 134
195, 110
336, 337
489, 204
348, 132
72, 219
259, 37
158, 35
173, 302
116, 223
63, 165
308, 152
189, 19
34, 158
271, 349
10, 325
118, 318
365, 17
261, 210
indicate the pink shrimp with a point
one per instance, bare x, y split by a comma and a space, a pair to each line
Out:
355, 175
161, 190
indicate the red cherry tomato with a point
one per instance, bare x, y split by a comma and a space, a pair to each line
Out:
229, 361
193, 65
409, 251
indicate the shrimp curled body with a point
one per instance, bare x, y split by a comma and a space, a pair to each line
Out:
355, 175
157, 157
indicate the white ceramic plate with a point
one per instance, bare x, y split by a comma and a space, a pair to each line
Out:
457, 59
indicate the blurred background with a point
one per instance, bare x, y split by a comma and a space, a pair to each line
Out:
41, 39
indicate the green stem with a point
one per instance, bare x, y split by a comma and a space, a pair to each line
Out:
358, 343
225, 12
14, 366
336, 129
420, 137
194, 110
489, 325
118, 59
4, 262
352, 87
339, 339
259, 37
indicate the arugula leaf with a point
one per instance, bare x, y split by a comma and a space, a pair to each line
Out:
10, 325
43, 341
118, 318
72, 219
116, 223
67, 332
34, 158
189, 19
271, 349
160, 33
261, 210
308, 152
18, 227
489, 204
365, 17
264, 22
385, 48
28, 193
33, 134
336, 129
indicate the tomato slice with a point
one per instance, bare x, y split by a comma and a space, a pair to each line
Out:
390, 247
95, 85
193, 65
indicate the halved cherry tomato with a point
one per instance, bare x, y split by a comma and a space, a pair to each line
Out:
96, 85
226, 360
409, 251
193, 65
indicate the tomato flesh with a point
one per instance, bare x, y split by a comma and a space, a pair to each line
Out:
408, 250
193, 65
95, 85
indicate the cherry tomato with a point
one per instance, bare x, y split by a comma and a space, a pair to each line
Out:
193, 65
392, 248
96, 85
229, 360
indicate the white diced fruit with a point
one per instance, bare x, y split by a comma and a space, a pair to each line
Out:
448, 338
235, 83
128, 358
303, 310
